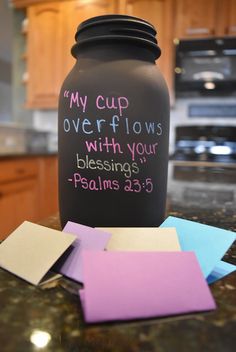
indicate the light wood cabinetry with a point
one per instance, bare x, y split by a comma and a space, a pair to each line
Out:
44, 53
28, 191
18, 194
50, 36
48, 179
196, 18
160, 14
52, 26
231, 27
74, 13
203, 19
51, 31
227, 18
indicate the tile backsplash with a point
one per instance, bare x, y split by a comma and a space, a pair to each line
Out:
45, 120
12, 140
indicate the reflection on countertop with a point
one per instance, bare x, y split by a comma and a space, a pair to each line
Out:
205, 192
54, 311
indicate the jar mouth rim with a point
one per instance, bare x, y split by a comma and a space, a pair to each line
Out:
154, 47
116, 28
115, 18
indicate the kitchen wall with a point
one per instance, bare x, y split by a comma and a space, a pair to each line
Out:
5, 62
12, 92
43, 120
5, 91
21, 115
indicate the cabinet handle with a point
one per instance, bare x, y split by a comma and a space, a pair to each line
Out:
199, 31
231, 29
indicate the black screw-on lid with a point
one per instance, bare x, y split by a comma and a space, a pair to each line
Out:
116, 28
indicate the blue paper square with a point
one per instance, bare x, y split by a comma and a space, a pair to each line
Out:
209, 243
221, 270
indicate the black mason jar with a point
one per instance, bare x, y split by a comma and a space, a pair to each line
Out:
114, 127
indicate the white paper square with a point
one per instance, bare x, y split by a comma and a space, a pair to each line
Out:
142, 239
31, 250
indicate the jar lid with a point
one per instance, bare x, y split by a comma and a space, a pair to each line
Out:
116, 27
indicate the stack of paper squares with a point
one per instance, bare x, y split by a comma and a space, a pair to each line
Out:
128, 273
208, 242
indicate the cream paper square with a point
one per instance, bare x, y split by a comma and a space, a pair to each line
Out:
142, 239
31, 250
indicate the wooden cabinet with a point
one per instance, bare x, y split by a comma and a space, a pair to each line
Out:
44, 53
227, 18
28, 191
196, 18
76, 12
48, 179
18, 202
51, 31
160, 13
200, 19
231, 25
52, 26
18, 194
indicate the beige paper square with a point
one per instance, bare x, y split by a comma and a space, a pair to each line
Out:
31, 250
142, 239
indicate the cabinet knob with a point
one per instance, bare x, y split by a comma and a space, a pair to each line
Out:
231, 29
191, 31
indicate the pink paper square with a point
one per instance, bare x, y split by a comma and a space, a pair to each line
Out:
134, 285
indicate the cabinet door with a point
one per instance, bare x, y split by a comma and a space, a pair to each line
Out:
76, 12
196, 18
160, 14
44, 54
230, 28
48, 180
18, 202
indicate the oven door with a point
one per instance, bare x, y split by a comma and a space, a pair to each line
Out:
206, 144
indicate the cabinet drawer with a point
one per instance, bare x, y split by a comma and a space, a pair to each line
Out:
16, 187
18, 202
14, 169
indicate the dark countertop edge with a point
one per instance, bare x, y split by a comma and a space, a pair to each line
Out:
27, 155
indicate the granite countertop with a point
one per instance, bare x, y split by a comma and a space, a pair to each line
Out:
203, 194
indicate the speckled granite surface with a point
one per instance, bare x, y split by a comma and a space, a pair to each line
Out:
202, 194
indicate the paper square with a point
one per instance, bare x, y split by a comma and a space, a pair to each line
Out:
221, 270
133, 285
142, 239
70, 264
31, 250
209, 243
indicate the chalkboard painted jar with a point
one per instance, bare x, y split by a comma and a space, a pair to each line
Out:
114, 127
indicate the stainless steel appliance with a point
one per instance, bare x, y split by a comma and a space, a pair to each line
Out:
205, 144
201, 185
206, 66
